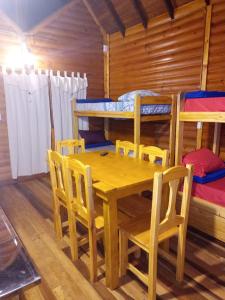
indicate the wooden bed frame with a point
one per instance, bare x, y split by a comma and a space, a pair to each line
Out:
136, 117
204, 215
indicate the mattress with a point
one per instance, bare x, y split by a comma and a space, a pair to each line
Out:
204, 101
151, 109
213, 192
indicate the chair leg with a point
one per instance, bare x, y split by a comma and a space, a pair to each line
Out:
73, 235
152, 273
181, 253
58, 221
123, 252
93, 254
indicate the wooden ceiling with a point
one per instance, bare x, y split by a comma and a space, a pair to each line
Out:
110, 15
117, 15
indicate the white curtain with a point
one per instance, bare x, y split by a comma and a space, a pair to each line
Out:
64, 89
29, 128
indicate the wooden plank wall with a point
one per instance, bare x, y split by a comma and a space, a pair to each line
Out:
5, 172
166, 58
9, 38
69, 41
216, 68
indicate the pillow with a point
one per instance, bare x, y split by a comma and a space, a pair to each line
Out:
204, 161
210, 177
92, 137
131, 95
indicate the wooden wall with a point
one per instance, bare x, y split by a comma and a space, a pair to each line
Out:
69, 40
9, 38
216, 68
166, 58
5, 172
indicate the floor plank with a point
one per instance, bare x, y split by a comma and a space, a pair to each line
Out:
28, 205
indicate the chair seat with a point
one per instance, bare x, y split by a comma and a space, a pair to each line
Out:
134, 205
138, 231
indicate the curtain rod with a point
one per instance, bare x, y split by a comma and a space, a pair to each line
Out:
29, 70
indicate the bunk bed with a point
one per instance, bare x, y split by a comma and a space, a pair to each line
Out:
207, 209
142, 109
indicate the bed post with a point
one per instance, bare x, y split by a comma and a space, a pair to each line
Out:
205, 63
172, 130
106, 128
137, 119
216, 138
179, 131
75, 120
199, 135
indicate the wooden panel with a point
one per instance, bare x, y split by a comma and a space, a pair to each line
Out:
216, 67
165, 58
127, 12
155, 7
70, 41
104, 15
5, 172
9, 38
216, 74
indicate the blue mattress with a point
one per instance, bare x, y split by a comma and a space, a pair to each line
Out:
89, 100
210, 177
106, 143
203, 94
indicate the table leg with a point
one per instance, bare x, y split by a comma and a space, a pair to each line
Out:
111, 243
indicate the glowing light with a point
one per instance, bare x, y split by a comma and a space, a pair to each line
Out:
19, 57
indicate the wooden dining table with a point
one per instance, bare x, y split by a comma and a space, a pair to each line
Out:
115, 177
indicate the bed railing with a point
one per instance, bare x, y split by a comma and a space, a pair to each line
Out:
199, 117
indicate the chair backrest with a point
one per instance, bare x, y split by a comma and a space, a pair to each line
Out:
170, 223
56, 174
72, 146
153, 153
78, 186
126, 148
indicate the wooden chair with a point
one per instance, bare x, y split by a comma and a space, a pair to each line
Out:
72, 146
86, 208
57, 182
126, 148
153, 153
136, 204
148, 231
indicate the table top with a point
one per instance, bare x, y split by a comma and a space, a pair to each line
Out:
118, 171
16, 268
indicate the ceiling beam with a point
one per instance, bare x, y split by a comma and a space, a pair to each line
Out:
141, 12
170, 8
116, 17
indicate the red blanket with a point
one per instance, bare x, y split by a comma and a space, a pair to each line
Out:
216, 104
213, 191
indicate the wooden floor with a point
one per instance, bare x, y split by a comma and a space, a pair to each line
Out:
29, 208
